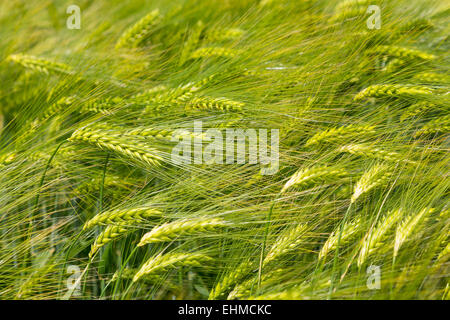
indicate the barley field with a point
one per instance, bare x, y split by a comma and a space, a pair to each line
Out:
224, 149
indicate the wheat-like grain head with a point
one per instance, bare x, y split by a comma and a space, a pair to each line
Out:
314, 175
171, 260
172, 230
376, 176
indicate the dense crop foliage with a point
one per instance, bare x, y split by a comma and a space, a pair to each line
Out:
93, 205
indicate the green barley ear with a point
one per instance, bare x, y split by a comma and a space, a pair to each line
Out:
123, 216
129, 273
287, 241
350, 8
209, 52
122, 219
171, 231
372, 152
444, 253
404, 53
432, 77
395, 65
376, 176
313, 175
230, 279
57, 107
134, 35
107, 141
350, 229
375, 239
111, 233
406, 228
351, 3
39, 64
417, 109
169, 96
102, 106
224, 34
149, 93
393, 91
191, 43
338, 134
163, 134
214, 104
244, 289
440, 124
111, 182
446, 295
7, 158
415, 25
171, 260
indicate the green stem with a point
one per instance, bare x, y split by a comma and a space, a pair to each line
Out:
41, 183
266, 233
100, 210
336, 255
36, 201
121, 269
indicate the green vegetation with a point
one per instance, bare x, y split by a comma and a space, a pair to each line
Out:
88, 119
